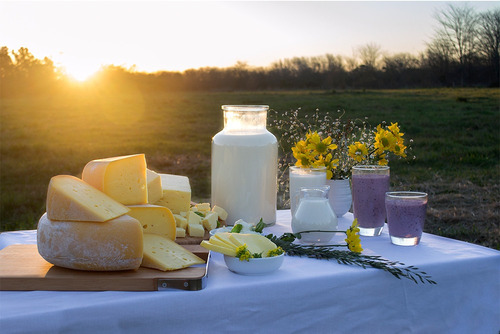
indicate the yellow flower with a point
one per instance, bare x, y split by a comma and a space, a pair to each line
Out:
382, 160
243, 253
353, 241
400, 148
358, 151
319, 146
275, 252
394, 128
384, 140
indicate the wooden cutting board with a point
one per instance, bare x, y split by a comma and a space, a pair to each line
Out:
22, 268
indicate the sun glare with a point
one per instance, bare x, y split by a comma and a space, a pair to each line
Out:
80, 72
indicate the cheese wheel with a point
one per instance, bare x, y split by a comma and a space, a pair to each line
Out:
121, 178
113, 245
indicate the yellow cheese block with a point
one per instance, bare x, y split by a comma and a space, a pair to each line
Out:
220, 211
71, 199
180, 221
164, 254
122, 178
180, 232
210, 221
154, 186
113, 245
196, 230
176, 193
154, 219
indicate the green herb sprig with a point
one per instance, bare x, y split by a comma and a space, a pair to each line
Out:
397, 269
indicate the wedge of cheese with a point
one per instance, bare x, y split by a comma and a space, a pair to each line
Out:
176, 193
154, 219
71, 199
154, 186
164, 254
113, 245
122, 178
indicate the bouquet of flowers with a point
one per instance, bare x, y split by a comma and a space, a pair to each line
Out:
340, 144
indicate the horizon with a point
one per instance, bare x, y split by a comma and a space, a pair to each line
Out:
173, 36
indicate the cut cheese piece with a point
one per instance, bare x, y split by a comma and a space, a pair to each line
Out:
154, 186
180, 232
71, 199
196, 230
194, 218
256, 243
164, 254
122, 178
202, 207
176, 193
180, 221
210, 221
113, 245
220, 211
218, 248
154, 219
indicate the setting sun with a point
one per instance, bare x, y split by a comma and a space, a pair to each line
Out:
79, 71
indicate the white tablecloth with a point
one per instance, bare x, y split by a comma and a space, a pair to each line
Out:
303, 296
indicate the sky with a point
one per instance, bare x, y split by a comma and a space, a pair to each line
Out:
150, 36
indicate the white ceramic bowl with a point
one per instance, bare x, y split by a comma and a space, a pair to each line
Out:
259, 266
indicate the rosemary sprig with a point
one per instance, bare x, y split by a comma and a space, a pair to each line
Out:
395, 268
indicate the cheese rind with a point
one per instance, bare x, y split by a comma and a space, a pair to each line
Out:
176, 193
122, 178
164, 254
154, 219
109, 246
154, 186
71, 199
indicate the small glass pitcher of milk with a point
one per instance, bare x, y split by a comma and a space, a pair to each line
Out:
314, 214
245, 165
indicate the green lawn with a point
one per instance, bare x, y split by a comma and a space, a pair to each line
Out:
455, 132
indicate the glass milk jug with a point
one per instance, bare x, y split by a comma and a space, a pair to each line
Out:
314, 213
245, 165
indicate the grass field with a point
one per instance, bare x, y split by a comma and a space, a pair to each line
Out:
455, 132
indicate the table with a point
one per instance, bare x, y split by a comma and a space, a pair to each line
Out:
304, 296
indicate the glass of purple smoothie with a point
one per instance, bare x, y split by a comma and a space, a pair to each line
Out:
406, 211
369, 185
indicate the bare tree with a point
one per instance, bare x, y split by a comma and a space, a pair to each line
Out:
458, 27
489, 40
369, 54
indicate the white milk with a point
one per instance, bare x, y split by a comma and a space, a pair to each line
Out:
303, 177
244, 175
314, 213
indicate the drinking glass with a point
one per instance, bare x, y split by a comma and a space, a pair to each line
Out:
369, 185
406, 211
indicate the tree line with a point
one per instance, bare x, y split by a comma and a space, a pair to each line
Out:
463, 52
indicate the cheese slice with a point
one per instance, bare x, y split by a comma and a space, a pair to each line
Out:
176, 193
154, 186
122, 178
154, 219
255, 243
71, 199
113, 245
164, 254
